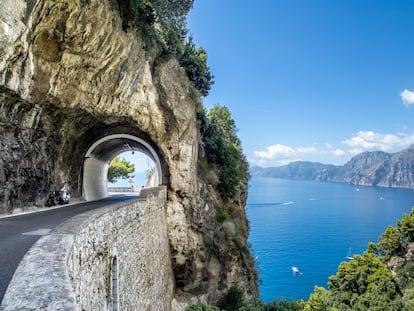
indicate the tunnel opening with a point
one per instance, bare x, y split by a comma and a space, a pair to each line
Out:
102, 151
144, 175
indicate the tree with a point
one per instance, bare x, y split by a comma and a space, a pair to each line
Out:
390, 242
223, 150
364, 282
119, 168
221, 117
194, 61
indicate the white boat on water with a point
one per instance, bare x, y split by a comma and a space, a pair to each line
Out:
350, 257
295, 270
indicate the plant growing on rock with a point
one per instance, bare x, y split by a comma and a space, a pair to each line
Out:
163, 23
222, 150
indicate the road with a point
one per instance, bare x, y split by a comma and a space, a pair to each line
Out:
18, 233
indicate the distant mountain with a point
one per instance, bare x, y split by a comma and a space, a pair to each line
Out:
298, 170
376, 168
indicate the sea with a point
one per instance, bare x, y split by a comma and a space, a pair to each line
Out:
314, 226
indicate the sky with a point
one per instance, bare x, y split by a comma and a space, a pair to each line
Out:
311, 80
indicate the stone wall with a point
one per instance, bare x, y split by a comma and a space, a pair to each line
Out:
136, 237
73, 267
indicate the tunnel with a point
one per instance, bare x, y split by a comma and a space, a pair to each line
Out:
101, 152
44, 147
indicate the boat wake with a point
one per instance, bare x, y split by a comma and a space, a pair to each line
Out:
269, 204
264, 204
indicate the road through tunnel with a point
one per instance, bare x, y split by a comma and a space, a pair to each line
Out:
44, 147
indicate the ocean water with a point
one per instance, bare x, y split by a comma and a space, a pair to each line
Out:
314, 226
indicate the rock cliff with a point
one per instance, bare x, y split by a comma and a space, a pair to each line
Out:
376, 168
71, 74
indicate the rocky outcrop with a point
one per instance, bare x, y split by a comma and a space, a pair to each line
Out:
69, 75
376, 168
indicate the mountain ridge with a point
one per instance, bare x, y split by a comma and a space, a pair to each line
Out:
371, 168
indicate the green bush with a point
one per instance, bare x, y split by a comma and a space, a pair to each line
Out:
194, 60
138, 14
233, 300
202, 307
222, 149
283, 305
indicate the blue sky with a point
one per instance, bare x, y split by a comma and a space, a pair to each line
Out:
317, 80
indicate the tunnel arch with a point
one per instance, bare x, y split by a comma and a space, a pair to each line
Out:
101, 152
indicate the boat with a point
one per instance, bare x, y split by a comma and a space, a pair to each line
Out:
295, 270
349, 257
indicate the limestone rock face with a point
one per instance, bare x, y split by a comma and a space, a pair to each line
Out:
69, 75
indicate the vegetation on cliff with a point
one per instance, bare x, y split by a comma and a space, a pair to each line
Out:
223, 150
163, 23
224, 167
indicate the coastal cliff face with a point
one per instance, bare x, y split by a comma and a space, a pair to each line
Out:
376, 168
69, 75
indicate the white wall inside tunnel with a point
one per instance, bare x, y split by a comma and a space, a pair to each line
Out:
95, 179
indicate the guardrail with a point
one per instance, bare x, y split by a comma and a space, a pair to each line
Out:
123, 189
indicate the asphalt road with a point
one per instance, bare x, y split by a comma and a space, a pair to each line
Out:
18, 233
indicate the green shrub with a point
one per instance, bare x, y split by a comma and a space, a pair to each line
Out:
202, 307
233, 300
283, 305
222, 150
194, 61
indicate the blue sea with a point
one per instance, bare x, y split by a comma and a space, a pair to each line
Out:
314, 226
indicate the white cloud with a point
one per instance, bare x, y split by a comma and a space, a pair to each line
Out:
338, 152
370, 141
334, 151
279, 151
407, 97
276, 151
281, 155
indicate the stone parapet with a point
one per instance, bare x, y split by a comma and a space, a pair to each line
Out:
114, 258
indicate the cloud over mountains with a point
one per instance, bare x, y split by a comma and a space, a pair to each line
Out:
278, 154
